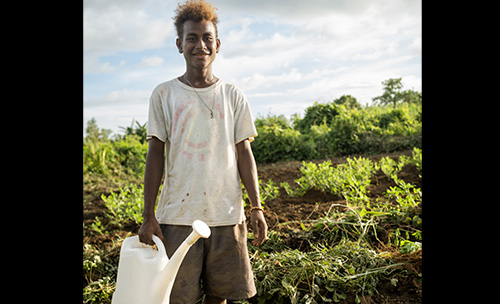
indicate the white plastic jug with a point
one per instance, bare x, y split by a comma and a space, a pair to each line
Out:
146, 275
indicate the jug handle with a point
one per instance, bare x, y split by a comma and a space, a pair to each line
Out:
159, 244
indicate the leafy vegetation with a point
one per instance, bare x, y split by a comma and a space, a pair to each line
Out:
340, 256
393, 94
126, 206
343, 130
324, 274
112, 163
349, 179
267, 191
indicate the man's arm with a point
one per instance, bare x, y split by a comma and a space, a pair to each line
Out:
248, 173
152, 178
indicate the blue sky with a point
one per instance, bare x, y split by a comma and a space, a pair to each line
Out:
284, 55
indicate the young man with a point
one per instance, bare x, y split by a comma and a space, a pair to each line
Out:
205, 127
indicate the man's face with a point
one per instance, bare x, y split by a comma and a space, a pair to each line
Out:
199, 44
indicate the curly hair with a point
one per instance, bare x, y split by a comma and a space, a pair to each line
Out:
196, 10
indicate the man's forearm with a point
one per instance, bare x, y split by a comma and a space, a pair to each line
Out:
152, 176
248, 172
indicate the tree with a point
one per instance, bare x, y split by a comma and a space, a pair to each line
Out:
93, 133
392, 94
348, 100
410, 96
139, 130
317, 114
271, 121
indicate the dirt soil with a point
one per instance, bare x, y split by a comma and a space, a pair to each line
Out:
314, 203
286, 211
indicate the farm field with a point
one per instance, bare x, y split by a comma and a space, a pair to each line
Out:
342, 193
297, 225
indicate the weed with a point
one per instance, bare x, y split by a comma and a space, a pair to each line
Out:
339, 257
321, 275
97, 227
404, 244
126, 205
267, 192
99, 291
349, 179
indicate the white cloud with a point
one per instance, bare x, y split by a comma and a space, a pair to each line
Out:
151, 61
117, 108
290, 9
283, 54
92, 65
111, 29
124, 96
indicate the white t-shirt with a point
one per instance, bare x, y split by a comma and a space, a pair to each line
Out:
201, 172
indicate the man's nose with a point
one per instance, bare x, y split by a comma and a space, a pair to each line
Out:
200, 44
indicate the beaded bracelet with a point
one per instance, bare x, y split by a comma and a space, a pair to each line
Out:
256, 208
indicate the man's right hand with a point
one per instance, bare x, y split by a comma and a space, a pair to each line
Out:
149, 227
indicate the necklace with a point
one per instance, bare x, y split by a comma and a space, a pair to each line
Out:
211, 110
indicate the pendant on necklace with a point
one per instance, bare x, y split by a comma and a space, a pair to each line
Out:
212, 114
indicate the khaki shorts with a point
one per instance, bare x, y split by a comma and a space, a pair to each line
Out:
219, 266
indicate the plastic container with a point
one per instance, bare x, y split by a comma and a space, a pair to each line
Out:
146, 275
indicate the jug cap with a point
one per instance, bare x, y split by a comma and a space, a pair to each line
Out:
201, 228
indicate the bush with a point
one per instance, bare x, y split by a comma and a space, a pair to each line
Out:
112, 162
317, 114
275, 143
343, 130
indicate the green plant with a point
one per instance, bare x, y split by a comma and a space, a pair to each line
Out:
99, 291
112, 163
97, 226
320, 275
333, 258
267, 192
93, 133
126, 205
405, 194
91, 261
392, 94
417, 158
391, 168
319, 113
139, 130
404, 244
314, 176
348, 180
97, 263
338, 129
276, 143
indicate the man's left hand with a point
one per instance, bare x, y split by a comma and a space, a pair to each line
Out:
259, 226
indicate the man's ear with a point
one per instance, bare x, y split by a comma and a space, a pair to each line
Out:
178, 42
218, 43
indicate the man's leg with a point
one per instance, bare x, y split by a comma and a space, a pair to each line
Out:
213, 300
227, 272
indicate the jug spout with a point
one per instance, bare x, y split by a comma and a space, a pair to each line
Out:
200, 230
166, 277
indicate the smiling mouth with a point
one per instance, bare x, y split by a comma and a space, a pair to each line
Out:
201, 55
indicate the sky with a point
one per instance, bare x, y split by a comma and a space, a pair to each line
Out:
284, 54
